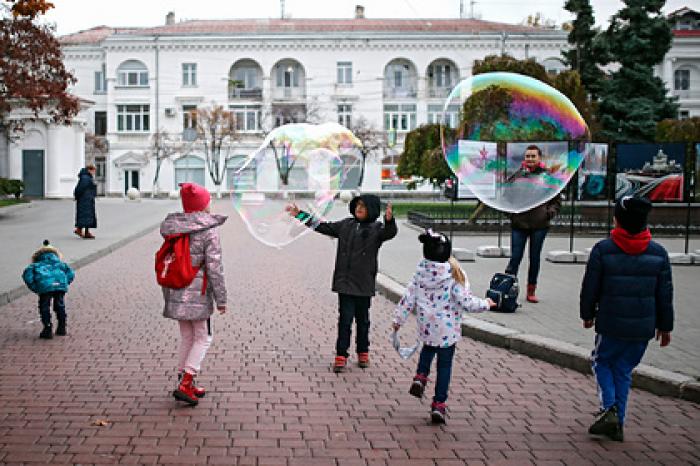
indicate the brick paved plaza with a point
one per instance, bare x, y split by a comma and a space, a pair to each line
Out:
272, 397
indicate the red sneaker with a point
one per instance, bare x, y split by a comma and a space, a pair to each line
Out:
200, 392
340, 363
185, 391
363, 360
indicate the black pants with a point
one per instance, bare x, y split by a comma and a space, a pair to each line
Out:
59, 306
352, 307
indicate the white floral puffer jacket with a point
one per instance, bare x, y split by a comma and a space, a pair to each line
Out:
438, 302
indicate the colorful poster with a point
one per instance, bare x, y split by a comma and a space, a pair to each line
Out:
476, 156
654, 171
592, 180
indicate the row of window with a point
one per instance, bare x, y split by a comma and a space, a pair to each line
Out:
399, 75
398, 117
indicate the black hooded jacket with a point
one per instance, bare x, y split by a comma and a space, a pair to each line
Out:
84, 193
358, 246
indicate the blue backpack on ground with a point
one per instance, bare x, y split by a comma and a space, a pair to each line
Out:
503, 290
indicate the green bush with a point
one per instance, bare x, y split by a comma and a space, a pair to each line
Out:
11, 187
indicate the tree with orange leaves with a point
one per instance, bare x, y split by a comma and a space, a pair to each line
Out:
32, 75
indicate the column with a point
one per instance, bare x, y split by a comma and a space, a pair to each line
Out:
52, 157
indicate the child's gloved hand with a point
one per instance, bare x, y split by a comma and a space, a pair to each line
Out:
221, 309
293, 209
588, 323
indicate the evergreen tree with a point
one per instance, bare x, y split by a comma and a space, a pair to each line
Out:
585, 52
633, 100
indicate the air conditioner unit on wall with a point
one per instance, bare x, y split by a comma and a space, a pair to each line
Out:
170, 111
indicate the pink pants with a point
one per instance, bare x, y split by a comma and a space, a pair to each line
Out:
194, 343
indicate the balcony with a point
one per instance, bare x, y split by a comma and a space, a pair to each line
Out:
688, 94
236, 93
288, 93
400, 93
438, 92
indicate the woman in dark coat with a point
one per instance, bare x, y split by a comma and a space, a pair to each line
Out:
531, 225
84, 193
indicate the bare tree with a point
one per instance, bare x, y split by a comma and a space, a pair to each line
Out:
95, 146
216, 131
162, 147
310, 112
373, 141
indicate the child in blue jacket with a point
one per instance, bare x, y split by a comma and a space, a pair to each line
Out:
627, 293
49, 277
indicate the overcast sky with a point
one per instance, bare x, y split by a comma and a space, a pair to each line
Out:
75, 15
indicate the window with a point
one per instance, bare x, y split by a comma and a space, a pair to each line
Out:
133, 118
345, 115
400, 79
132, 73
244, 179
247, 117
189, 117
100, 123
400, 117
435, 115
189, 169
681, 80
288, 75
683, 114
100, 81
189, 74
344, 72
440, 75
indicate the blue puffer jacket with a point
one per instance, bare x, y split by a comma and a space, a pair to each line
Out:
48, 274
629, 296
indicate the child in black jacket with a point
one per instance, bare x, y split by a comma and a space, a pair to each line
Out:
359, 240
627, 293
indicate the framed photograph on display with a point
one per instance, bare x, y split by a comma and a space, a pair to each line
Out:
696, 180
478, 169
592, 180
654, 171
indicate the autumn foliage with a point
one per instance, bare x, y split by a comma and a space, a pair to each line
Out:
32, 74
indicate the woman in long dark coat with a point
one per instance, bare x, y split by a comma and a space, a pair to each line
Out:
84, 193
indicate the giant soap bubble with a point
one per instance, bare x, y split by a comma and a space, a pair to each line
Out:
297, 163
519, 111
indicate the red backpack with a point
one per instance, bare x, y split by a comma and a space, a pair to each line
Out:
174, 267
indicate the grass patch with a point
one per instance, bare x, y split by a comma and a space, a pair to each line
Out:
461, 209
9, 202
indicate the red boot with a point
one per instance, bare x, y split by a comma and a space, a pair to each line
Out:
185, 391
199, 392
531, 298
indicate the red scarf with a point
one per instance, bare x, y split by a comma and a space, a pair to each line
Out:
629, 243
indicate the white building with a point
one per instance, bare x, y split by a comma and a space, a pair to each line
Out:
680, 69
44, 155
394, 73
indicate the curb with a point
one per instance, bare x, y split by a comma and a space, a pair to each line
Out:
9, 296
568, 355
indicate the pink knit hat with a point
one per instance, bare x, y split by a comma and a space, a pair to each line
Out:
195, 198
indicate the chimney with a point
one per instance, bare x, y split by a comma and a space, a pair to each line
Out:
359, 12
170, 18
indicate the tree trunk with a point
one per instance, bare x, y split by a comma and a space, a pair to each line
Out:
218, 190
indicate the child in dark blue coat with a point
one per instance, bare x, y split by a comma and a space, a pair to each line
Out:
49, 277
627, 293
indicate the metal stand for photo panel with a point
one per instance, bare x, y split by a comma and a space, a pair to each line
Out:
571, 256
499, 250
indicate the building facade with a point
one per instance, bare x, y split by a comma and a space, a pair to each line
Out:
394, 74
680, 69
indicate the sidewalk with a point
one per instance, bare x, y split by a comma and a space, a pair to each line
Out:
103, 393
23, 228
557, 315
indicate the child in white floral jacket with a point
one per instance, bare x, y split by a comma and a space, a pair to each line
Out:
437, 294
